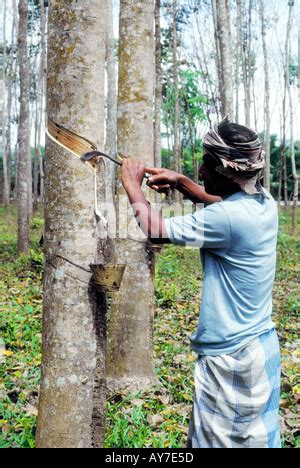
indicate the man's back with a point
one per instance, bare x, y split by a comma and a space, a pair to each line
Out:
238, 239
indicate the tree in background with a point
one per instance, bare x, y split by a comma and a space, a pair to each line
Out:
5, 157
285, 110
267, 116
158, 90
111, 121
130, 347
293, 74
247, 57
73, 369
24, 187
38, 170
176, 145
12, 78
221, 11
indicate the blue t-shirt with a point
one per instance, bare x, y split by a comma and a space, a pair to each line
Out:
238, 239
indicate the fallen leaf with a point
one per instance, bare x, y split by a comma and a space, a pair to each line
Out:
296, 390
192, 357
138, 403
165, 399
155, 420
31, 410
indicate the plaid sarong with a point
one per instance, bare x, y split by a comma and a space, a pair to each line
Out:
236, 403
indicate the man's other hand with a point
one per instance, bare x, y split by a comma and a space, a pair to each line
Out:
162, 180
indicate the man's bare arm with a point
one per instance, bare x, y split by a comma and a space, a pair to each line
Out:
163, 180
194, 192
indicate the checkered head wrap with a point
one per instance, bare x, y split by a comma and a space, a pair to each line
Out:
239, 151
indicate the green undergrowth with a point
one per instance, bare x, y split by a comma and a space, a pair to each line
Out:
159, 417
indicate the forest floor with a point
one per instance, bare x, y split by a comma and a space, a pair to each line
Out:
158, 418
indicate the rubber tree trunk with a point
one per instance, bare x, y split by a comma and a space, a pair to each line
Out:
176, 149
6, 185
111, 126
285, 102
11, 66
23, 132
223, 36
267, 119
175, 66
247, 61
72, 394
292, 147
38, 159
158, 92
239, 47
218, 52
130, 360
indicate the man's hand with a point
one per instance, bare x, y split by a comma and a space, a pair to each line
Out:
162, 180
150, 221
132, 173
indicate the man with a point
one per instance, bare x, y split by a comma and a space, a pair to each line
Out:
237, 376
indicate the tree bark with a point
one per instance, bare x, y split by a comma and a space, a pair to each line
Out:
292, 147
294, 168
6, 184
218, 53
267, 120
176, 147
72, 395
130, 348
247, 63
223, 37
38, 158
285, 100
11, 67
111, 131
167, 121
23, 132
239, 47
158, 92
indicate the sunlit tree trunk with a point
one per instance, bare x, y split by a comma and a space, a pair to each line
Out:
176, 146
38, 158
6, 184
292, 147
72, 394
267, 120
218, 53
23, 132
43, 88
247, 61
285, 102
15, 99
294, 168
224, 41
239, 46
158, 91
167, 123
11, 68
111, 128
130, 347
